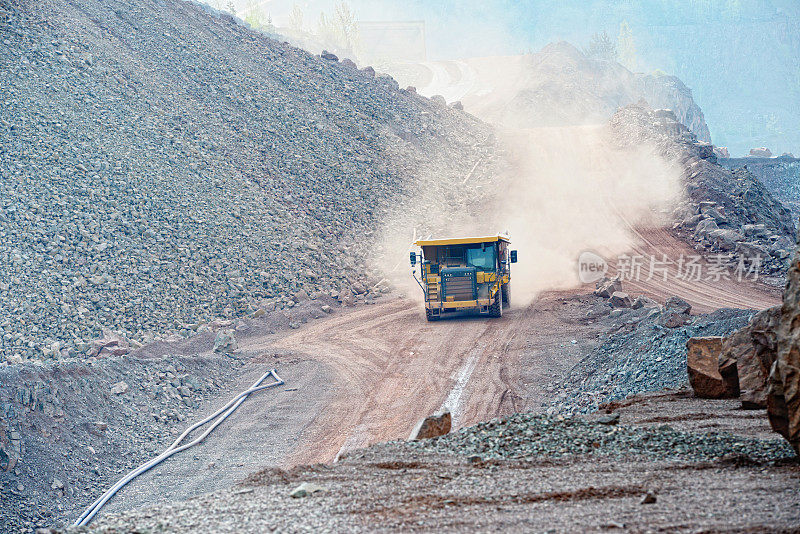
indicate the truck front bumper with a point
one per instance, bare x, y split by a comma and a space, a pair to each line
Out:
459, 304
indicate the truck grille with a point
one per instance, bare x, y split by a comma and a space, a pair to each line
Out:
459, 283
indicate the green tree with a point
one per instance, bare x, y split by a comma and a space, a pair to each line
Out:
626, 47
601, 46
256, 19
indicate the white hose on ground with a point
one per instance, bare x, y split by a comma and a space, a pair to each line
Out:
175, 448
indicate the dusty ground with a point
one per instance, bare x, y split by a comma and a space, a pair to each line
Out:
259, 433
394, 368
394, 487
368, 374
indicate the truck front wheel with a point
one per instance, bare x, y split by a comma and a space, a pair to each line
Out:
507, 294
496, 309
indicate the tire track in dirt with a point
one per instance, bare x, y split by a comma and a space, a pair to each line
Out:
704, 295
393, 367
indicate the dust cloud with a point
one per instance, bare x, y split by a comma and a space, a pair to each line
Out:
558, 192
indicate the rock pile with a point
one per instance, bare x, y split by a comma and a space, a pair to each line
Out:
645, 350
526, 436
161, 167
763, 359
84, 424
611, 289
726, 212
780, 175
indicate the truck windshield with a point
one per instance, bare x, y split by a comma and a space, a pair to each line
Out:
481, 258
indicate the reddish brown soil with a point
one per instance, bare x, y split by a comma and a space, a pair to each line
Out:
393, 368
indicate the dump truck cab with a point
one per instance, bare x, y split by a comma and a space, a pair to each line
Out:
464, 274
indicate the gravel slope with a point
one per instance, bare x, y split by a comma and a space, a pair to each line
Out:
161, 166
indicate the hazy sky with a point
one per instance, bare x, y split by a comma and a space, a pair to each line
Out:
741, 58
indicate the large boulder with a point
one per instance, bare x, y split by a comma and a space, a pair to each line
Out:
705, 227
111, 344
783, 394
725, 239
439, 100
329, 56
706, 377
676, 313
643, 301
754, 350
671, 319
432, 426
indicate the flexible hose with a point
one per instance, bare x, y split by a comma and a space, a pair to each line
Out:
175, 448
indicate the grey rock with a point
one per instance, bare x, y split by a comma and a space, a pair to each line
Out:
678, 305
725, 239
225, 341
305, 489
328, 56
705, 226
643, 301
607, 287
358, 289
610, 419
620, 299
119, 388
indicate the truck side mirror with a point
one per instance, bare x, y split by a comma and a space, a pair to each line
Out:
513, 256
413, 258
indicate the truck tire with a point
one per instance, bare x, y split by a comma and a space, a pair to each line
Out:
506, 294
496, 309
429, 315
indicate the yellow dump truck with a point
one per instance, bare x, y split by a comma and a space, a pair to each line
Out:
464, 274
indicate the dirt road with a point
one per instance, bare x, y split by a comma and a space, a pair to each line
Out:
393, 368
369, 374
706, 294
